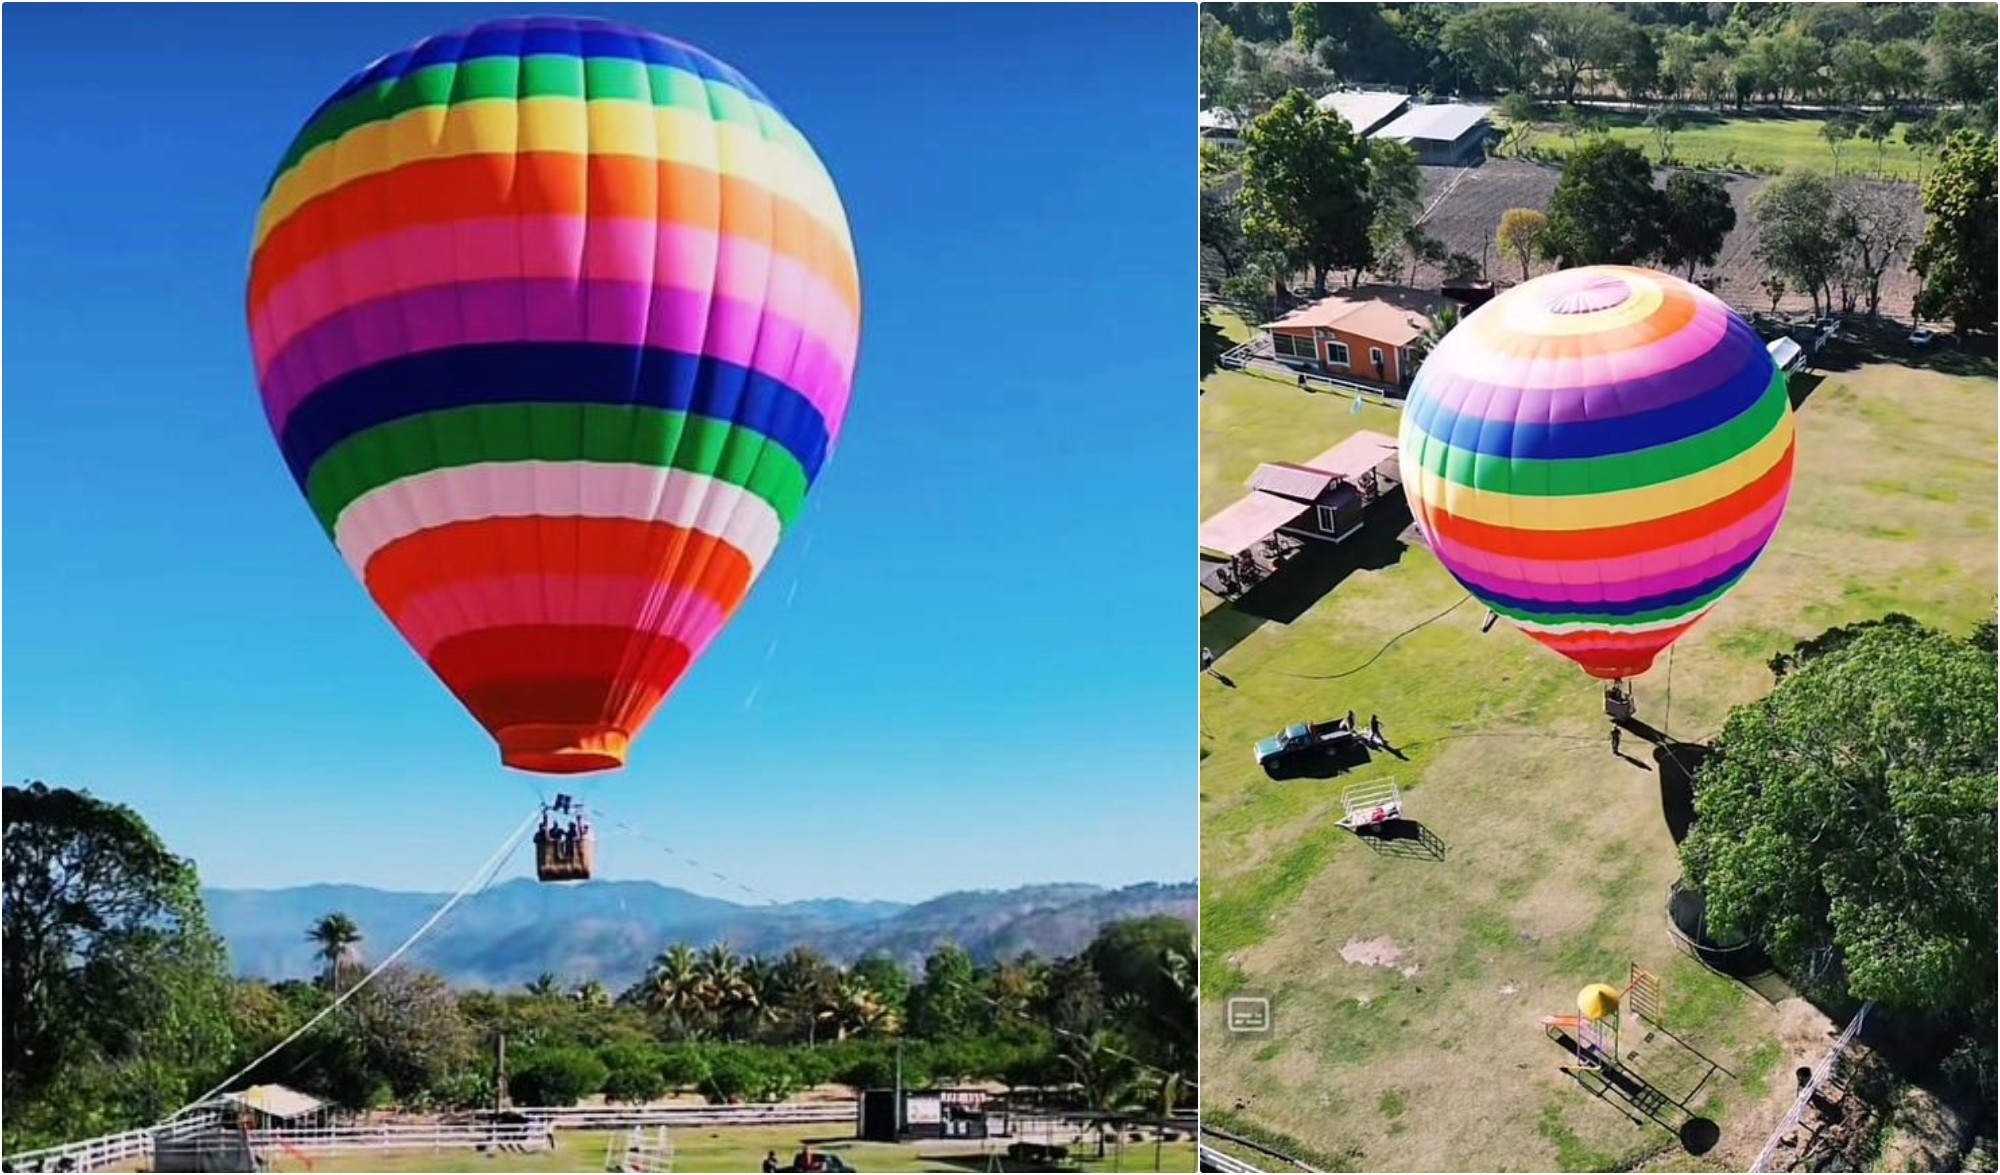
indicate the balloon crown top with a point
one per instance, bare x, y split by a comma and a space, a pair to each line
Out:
1598, 291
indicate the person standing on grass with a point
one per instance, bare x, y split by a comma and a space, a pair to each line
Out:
1615, 732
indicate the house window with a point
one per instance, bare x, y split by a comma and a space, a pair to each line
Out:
1328, 523
1336, 353
1375, 357
1292, 346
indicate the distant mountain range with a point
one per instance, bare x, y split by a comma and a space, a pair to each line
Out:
610, 930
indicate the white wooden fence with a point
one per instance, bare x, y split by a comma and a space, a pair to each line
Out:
96, 1154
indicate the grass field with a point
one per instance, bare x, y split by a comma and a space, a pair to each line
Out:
738, 1149
1408, 989
1762, 142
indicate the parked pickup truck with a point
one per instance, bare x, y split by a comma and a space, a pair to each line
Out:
1301, 741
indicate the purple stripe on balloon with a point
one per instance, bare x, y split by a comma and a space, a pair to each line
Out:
1581, 597
556, 310
1615, 388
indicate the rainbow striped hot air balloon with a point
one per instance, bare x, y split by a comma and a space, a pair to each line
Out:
555, 323
1599, 455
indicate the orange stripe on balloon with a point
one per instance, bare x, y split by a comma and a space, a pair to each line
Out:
548, 184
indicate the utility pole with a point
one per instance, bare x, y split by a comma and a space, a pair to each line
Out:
899, 1089
499, 1072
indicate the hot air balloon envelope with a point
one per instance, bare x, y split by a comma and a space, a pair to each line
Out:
555, 323
1599, 455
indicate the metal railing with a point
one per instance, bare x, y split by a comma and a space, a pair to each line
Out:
1811, 1087
1215, 1160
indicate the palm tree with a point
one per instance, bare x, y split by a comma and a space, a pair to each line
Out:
1434, 329
804, 988
545, 986
674, 987
336, 935
721, 980
758, 1011
592, 993
1106, 1077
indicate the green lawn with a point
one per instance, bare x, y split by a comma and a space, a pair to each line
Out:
730, 1149
1765, 143
1408, 991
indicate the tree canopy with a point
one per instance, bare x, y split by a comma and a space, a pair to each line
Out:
1846, 821
1306, 185
1696, 217
1605, 210
117, 1000
1956, 257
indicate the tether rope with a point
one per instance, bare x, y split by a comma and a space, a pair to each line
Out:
478, 881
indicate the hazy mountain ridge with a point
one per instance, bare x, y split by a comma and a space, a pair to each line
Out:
609, 930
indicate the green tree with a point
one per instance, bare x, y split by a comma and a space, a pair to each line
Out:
1306, 185
336, 936
1577, 39
1518, 115
946, 1003
1956, 257
1847, 822
1797, 237
1899, 69
674, 988
116, 994
560, 1076
1605, 209
1962, 52
1697, 218
1838, 132
1218, 63
1665, 122
1498, 47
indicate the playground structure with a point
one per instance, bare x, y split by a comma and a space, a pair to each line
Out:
1595, 1032
1370, 805
1666, 1087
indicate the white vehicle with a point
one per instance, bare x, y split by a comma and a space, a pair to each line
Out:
1922, 336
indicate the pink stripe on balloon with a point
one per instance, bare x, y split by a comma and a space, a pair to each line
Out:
1582, 594
645, 606
568, 248
557, 310
1516, 573
1551, 370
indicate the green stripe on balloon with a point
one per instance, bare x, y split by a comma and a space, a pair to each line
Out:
492, 433
542, 76
1606, 475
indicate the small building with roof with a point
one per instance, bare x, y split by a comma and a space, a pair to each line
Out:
1448, 134
1219, 127
1363, 333
1367, 111
1325, 499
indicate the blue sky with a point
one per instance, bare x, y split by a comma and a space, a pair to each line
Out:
966, 668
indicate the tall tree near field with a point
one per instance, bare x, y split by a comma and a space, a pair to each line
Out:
1956, 257
1797, 236
1306, 184
1846, 822
1605, 209
1579, 38
117, 995
1520, 235
1698, 218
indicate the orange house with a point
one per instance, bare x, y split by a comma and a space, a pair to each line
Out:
1362, 334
